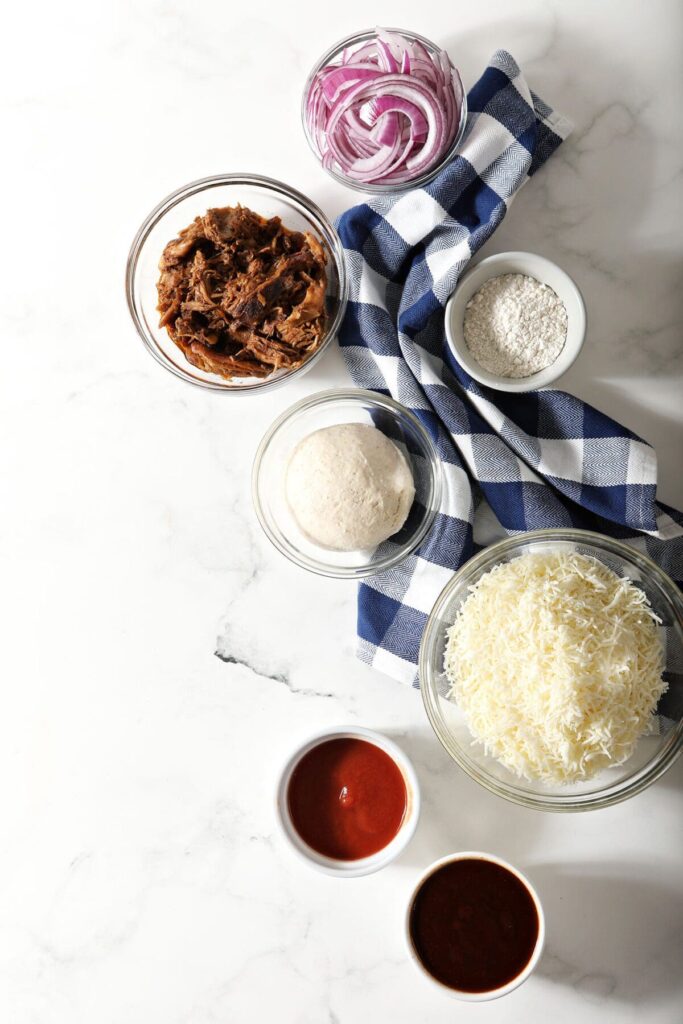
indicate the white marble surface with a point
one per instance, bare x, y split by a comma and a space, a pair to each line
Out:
141, 875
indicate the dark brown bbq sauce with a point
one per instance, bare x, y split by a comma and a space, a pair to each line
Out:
474, 925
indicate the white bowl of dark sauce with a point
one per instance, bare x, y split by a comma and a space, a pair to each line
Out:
475, 926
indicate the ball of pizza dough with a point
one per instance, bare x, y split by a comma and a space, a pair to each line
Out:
349, 487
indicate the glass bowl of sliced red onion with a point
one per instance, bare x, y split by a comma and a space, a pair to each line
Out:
384, 110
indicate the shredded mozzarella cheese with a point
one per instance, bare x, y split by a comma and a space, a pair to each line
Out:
557, 665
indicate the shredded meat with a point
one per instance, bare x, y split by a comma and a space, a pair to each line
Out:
243, 296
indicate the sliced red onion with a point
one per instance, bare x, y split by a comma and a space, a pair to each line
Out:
339, 79
386, 58
375, 109
386, 112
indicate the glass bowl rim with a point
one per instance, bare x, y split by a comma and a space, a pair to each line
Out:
649, 772
321, 398
199, 185
379, 189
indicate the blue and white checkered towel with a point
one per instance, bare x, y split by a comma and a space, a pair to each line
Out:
512, 462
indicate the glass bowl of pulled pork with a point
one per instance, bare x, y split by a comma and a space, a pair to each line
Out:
236, 283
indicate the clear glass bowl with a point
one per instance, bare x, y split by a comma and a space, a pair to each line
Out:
325, 409
332, 56
653, 755
265, 196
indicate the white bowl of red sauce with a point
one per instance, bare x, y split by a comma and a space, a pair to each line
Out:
348, 801
475, 926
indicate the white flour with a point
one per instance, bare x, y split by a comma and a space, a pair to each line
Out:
515, 326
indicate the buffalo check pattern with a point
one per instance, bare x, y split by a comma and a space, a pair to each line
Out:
512, 462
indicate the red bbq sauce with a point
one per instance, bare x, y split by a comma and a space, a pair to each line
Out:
474, 925
347, 798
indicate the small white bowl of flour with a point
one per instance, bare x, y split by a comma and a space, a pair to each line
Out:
516, 322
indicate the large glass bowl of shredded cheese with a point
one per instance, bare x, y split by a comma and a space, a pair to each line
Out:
591, 649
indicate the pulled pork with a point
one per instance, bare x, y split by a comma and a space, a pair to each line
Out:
243, 296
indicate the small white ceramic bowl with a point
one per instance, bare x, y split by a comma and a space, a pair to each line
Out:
495, 993
364, 865
533, 266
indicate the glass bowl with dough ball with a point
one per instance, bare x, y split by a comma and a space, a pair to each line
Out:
551, 669
346, 483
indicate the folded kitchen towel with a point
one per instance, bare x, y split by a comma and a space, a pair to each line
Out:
512, 462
